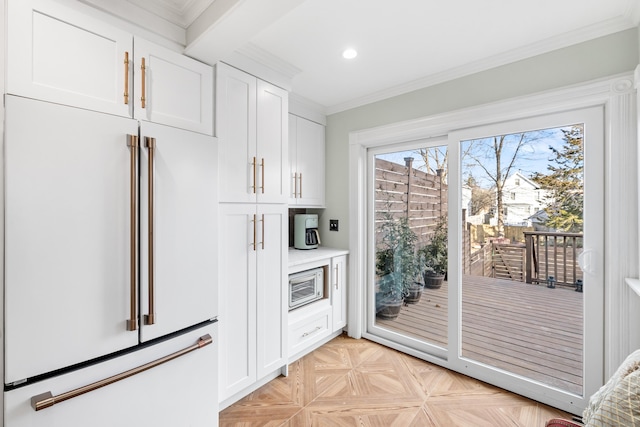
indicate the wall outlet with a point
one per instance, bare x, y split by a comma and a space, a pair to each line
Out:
333, 225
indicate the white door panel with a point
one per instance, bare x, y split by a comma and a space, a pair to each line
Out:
184, 229
64, 56
67, 236
178, 90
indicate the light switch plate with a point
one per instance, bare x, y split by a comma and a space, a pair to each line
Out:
333, 225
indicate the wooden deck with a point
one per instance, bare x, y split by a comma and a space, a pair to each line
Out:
526, 329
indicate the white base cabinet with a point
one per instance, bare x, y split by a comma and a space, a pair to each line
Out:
311, 325
252, 312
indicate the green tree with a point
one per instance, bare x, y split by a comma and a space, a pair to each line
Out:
565, 182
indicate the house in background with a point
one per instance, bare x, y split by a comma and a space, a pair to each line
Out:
521, 199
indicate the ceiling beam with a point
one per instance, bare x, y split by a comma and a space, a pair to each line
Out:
227, 25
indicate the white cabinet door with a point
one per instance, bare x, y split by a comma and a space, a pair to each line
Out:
180, 392
307, 162
272, 143
251, 126
178, 262
236, 132
339, 291
237, 293
271, 282
172, 89
64, 56
67, 228
252, 300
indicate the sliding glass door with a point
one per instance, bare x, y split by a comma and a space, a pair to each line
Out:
485, 250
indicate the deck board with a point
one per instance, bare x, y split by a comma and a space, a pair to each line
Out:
527, 329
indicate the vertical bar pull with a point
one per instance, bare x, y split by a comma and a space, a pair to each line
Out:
262, 169
150, 144
255, 233
254, 165
47, 399
143, 91
126, 78
337, 270
301, 185
132, 143
295, 185
262, 232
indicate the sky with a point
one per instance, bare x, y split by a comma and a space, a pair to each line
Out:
533, 157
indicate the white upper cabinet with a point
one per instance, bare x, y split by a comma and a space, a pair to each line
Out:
251, 126
172, 89
306, 163
60, 55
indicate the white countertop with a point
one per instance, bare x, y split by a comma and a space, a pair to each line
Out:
305, 256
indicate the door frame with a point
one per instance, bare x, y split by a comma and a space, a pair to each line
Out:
616, 95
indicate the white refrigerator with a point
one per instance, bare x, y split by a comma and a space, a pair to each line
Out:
110, 270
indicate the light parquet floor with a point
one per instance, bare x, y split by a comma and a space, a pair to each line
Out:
350, 382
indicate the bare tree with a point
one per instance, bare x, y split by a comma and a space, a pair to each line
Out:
435, 158
482, 151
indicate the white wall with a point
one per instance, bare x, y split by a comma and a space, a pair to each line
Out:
603, 57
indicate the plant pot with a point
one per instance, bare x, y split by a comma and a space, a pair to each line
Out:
414, 292
433, 281
389, 309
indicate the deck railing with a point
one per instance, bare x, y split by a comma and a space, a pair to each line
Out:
551, 254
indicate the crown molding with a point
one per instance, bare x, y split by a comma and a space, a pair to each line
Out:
601, 29
310, 110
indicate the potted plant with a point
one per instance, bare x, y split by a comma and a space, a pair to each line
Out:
396, 266
434, 256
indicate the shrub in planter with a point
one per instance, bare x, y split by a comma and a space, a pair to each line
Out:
434, 256
396, 265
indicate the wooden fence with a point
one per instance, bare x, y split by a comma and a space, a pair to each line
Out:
403, 191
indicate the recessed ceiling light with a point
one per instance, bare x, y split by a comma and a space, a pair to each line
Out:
349, 53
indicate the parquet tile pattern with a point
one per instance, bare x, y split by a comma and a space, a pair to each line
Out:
351, 382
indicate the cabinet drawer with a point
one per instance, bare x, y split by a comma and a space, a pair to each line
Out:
309, 330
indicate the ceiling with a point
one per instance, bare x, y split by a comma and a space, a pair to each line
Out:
402, 45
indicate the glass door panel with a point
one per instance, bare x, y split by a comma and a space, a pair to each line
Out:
522, 300
410, 244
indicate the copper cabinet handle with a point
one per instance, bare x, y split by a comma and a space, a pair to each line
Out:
301, 185
143, 69
262, 243
46, 400
132, 143
255, 233
295, 185
262, 169
126, 78
254, 165
150, 144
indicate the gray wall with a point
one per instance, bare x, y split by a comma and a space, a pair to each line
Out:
602, 57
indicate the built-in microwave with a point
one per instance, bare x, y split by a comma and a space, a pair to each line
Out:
305, 287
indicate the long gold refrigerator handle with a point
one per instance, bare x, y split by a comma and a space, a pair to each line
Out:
46, 400
132, 143
150, 144
143, 91
126, 78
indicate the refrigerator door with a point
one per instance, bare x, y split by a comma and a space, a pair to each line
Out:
180, 392
67, 228
178, 213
